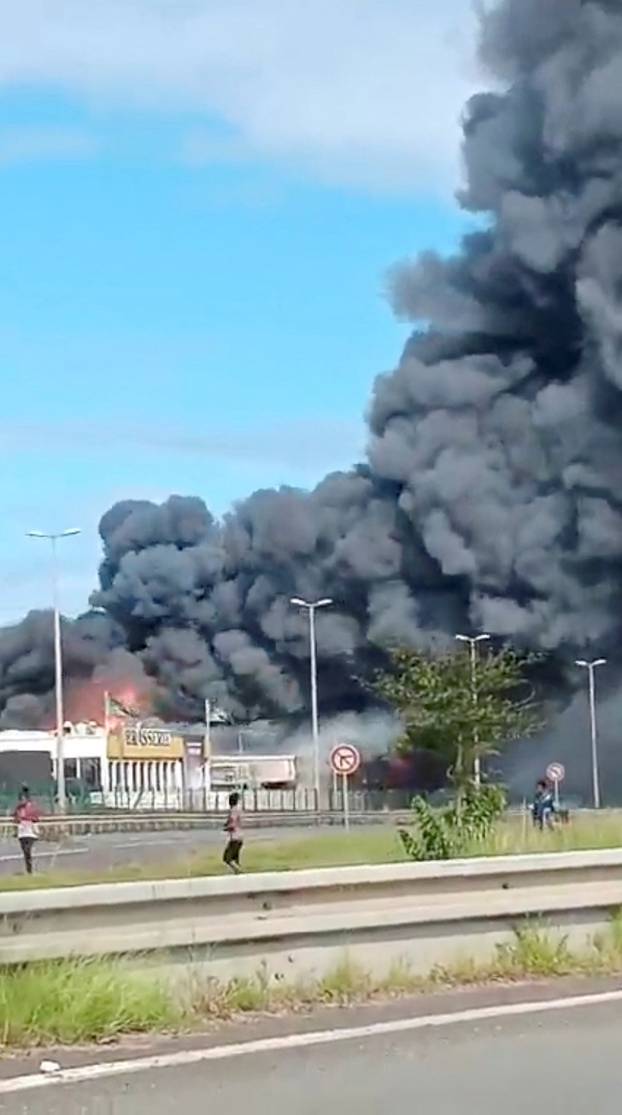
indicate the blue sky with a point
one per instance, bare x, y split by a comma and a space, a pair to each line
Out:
193, 252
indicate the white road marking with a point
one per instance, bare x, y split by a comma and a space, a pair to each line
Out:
86, 1073
145, 844
49, 855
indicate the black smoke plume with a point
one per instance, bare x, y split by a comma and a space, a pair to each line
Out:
491, 498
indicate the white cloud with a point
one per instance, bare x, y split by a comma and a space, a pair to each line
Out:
362, 92
31, 144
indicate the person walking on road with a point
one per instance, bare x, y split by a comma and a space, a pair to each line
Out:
26, 817
233, 828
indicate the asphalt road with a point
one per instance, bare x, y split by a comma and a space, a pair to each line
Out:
99, 852
560, 1063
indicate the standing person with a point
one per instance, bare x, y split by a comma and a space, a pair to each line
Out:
543, 806
26, 817
233, 827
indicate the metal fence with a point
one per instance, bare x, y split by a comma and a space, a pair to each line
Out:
301, 800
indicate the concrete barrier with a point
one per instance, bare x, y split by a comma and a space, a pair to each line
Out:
301, 922
57, 828
54, 827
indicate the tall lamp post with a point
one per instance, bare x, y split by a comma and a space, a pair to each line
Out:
591, 668
473, 641
53, 539
311, 607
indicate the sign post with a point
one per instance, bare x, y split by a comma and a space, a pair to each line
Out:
556, 772
345, 760
346, 802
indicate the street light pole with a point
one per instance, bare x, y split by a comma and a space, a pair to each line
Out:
311, 607
473, 641
591, 668
58, 662
315, 727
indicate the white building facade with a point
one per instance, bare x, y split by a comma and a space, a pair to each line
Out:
152, 768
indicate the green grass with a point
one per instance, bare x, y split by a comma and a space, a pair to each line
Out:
323, 849
584, 831
76, 1002
534, 953
337, 848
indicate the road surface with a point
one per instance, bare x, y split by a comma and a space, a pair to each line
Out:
101, 851
562, 1062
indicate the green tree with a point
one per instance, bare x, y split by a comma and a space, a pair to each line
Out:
459, 716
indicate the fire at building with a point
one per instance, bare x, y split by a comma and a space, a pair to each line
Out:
138, 766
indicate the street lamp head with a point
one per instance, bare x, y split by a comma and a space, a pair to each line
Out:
590, 665
472, 638
310, 603
599, 662
481, 638
581, 662
463, 638
51, 535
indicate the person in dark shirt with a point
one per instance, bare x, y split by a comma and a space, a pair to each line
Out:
543, 806
233, 828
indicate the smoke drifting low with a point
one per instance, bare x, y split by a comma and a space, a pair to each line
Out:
491, 497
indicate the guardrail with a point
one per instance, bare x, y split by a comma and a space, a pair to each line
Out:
301, 923
56, 827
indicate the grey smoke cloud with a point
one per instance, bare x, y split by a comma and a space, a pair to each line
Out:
372, 732
490, 494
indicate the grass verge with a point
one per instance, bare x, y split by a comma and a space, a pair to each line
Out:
322, 849
334, 849
515, 835
76, 1002
534, 953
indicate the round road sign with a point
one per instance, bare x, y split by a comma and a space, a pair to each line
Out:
556, 772
345, 759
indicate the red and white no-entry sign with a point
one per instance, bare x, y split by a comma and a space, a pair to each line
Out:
556, 772
345, 759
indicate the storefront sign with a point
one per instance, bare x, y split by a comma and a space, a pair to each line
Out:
145, 744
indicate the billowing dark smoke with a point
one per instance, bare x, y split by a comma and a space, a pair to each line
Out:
492, 494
